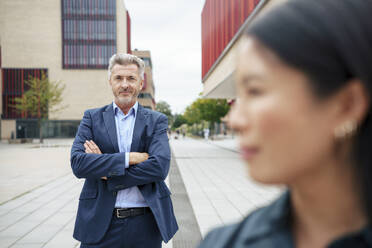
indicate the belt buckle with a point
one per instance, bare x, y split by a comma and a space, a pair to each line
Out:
118, 214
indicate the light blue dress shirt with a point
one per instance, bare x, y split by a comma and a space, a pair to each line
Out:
130, 197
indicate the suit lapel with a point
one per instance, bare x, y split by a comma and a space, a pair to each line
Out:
139, 126
109, 119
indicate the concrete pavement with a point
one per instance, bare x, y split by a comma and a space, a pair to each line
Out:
217, 182
39, 194
25, 167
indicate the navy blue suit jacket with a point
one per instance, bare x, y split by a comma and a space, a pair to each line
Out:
98, 196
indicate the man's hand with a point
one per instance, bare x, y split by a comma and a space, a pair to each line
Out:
91, 147
137, 157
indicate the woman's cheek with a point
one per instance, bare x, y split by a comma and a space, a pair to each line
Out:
272, 119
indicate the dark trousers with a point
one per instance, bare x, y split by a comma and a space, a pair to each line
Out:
132, 232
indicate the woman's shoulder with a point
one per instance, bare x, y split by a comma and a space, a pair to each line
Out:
256, 225
219, 237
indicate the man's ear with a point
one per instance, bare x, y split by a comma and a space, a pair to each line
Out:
353, 102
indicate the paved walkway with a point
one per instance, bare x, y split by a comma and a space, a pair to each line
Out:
217, 182
24, 167
39, 194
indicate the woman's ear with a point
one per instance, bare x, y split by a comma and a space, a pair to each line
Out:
353, 102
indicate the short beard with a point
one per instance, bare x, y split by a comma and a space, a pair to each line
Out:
127, 101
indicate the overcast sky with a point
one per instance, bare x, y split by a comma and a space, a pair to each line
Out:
171, 30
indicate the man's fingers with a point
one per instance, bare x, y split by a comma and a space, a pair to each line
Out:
90, 145
93, 148
87, 149
146, 155
92, 142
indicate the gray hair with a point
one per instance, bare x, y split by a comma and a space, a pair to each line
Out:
127, 59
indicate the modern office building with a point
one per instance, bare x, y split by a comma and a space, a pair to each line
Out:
223, 23
69, 40
147, 96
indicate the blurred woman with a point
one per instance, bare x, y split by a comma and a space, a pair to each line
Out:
303, 112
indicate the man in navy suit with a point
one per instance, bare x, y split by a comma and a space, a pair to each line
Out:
123, 153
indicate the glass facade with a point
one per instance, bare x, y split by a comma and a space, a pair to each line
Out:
51, 128
88, 33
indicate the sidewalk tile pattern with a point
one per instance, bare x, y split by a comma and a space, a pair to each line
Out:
217, 183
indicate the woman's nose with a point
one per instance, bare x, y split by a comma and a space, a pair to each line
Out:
236, 117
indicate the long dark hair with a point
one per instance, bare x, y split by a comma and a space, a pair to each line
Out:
331, 42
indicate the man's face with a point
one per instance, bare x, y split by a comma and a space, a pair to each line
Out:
126, 84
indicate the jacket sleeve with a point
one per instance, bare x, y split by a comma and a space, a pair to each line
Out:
90, 165
154, 169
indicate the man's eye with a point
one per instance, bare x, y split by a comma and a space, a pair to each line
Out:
254, 91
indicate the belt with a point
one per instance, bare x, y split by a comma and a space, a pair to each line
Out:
122, 213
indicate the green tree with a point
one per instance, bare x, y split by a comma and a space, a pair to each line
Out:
179, 120
211, 110
164, 107
42, 97
192, 114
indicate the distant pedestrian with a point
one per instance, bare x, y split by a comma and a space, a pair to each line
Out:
122, 152
303, 113
206, 133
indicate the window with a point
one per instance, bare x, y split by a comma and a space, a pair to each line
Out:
88, 33
51, 128
147, 62
14, 86
145, 95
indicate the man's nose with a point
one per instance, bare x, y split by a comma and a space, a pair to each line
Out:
124, 83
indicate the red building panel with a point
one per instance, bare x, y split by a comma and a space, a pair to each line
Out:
144, 82
13, 86
221, 19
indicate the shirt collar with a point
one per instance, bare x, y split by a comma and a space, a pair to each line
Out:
133, 109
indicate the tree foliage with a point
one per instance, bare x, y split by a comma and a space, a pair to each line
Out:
164, 107
179, 120
41, 98
211, 110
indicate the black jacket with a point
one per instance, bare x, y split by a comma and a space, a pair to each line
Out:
269, 227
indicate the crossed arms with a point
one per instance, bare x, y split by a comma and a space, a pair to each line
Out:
134, 157
87, 162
